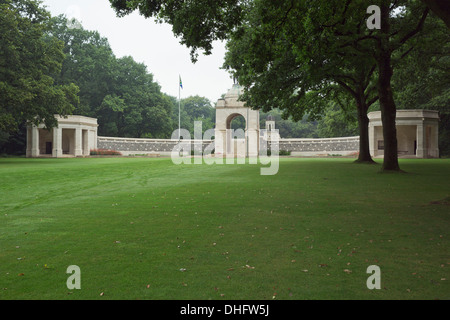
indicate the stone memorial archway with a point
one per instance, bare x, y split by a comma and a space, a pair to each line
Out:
226, 141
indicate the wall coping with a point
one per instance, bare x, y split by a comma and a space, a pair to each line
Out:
413, 114
77, 120
319, 139
145, 140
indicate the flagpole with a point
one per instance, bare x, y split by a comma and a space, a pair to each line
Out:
179, 109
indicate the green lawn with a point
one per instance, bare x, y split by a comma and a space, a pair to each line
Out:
143, 228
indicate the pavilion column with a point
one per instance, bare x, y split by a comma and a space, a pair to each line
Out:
35, 142
421, 141
94, 141
78, 142
372, 140
85, 145
253, 143
435, 133
57, 151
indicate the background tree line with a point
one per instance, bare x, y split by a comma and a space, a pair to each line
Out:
78, 73
312, 73
299, 55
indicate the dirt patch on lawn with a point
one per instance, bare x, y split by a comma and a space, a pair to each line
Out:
445, 201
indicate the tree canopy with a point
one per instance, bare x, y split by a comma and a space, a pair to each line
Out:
292, 54
29, 60
297, 60
120, 92
284, 62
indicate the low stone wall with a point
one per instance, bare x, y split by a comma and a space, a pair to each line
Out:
320, 147
131, 146
297, 147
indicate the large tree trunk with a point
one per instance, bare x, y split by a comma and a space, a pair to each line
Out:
363, 123
387, 103
441, 8
388, 117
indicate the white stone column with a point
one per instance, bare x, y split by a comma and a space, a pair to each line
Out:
85, 140
78, 142
372, 140
35, 142
93, 140
220, 139
253, 143
421, 141
434, 141
57, 151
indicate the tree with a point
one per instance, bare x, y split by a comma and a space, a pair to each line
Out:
193, 109
422, 80
401, 22
120, 92
396, 30
441, 8
29, 59
199, 107
277, 57
336, 123
287, 128
146, 112
88, 61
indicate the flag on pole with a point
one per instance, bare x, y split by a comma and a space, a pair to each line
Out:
179, 108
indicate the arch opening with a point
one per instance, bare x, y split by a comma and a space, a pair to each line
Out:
236, 135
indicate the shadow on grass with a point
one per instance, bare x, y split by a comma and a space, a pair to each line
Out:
382, 170
368, 162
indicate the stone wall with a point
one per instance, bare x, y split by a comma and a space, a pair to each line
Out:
297, 147
320, 147
131, 146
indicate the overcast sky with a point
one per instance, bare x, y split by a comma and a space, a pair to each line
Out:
152, 44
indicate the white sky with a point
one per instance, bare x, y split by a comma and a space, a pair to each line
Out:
152, 44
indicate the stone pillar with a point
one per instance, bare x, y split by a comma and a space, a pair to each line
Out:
421, 151
93, 140
253, 142
372, 140
78, 142
85, 140
435, 140
220, 140
229, 143
35, 152
57, 151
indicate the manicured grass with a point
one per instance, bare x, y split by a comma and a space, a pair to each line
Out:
147, 229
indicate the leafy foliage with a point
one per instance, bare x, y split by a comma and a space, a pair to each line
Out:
422, 80
292, 54
193, 109
29, 59
120, 92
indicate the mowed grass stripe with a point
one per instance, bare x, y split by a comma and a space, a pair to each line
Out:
147, 229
